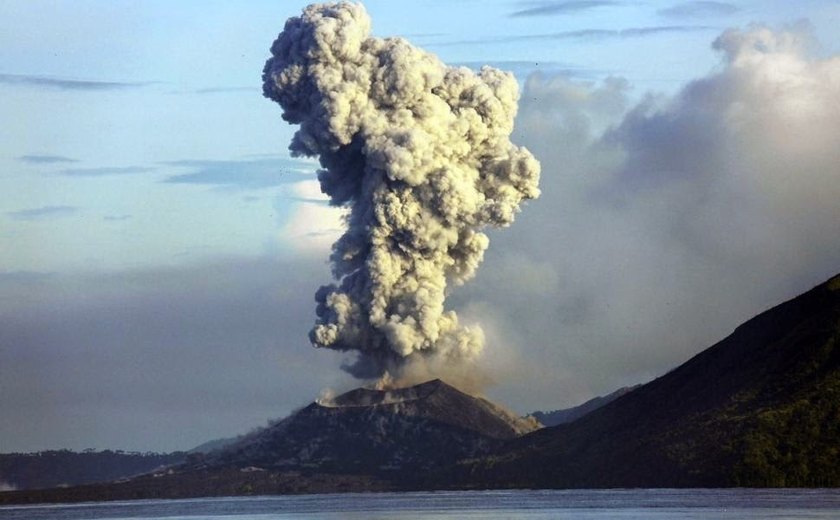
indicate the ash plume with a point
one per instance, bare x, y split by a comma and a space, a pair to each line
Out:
420, 154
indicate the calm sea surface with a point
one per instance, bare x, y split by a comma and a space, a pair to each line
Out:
493, 505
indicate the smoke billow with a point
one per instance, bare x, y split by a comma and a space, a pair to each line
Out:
420, 155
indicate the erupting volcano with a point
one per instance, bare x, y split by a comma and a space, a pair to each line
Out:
419, 154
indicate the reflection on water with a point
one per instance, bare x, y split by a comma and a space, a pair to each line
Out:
493, 505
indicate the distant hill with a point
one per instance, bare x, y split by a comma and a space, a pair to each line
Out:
567, 415
47, 469
760, 408
54, 468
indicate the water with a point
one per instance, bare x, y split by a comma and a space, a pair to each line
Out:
493, 505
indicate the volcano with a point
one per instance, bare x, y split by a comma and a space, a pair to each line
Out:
378, 432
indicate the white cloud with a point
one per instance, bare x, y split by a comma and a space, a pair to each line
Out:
313, 225
751, 154
309, 190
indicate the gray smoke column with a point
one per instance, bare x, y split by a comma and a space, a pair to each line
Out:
420, 154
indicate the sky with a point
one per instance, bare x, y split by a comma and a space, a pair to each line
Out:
161, 248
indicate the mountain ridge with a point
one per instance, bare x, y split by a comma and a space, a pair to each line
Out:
759, 408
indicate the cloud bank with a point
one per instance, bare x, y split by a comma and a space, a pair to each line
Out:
66, 83
664, 224
45, 159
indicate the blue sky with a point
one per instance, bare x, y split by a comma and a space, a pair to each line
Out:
158, 240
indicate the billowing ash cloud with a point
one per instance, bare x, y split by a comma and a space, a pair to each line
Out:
420, 154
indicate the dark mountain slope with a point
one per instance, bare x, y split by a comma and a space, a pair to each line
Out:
53, 468
760, 408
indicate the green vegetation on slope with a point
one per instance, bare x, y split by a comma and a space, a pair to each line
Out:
797, 443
